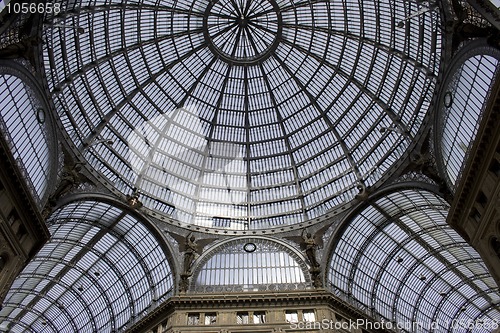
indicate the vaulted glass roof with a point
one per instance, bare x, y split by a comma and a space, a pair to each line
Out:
22, 121
399, 260
101, 269
242, 114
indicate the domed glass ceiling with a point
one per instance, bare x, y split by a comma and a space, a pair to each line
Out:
242, 114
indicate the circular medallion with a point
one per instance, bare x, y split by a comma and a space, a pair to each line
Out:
250, 247
448, 99
40, 115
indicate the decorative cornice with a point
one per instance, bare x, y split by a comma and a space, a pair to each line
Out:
247, 300
487, 10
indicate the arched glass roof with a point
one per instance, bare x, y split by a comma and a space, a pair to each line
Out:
401, 260
250, 265
24, 127
464, 101
100, 269
242, 115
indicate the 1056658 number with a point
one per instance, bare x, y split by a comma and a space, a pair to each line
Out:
33, 8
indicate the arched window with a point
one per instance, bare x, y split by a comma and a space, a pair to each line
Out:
27, 130
100, 269
251, 265
464, 99
401, 260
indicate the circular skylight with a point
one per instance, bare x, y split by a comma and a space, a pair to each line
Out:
242, 32
242, 114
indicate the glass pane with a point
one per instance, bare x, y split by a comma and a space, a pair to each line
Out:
468, 90
268, 266
22, 122
242, 318
309, 316
292, 316
259, 317
193, 319
210, 318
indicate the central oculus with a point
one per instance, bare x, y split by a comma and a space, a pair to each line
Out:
242, 32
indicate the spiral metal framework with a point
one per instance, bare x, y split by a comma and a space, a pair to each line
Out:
242, 114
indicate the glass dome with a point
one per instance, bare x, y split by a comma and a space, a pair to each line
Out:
242, 115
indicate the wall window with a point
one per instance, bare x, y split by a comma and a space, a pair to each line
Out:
193, 319
242, 317
259, 317
309, 316
233, 268
210, 318
23, 125
292, 316
463, 103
